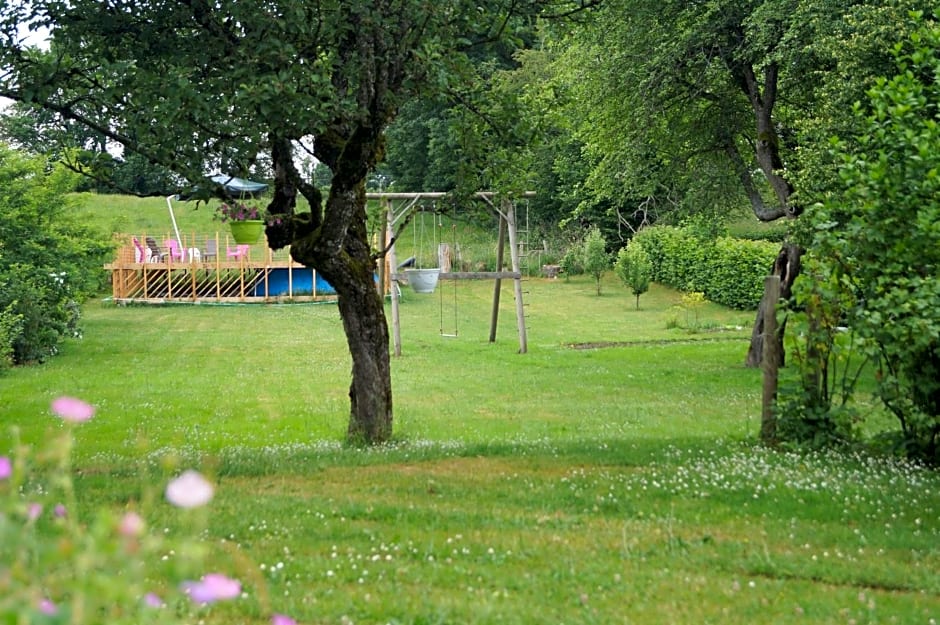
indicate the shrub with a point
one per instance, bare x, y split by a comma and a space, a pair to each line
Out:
44, 309
594, 256
878, 235
571, 263
10, 328
815, 408
774, 233
736, 272
728, 271
634, 269
55, 262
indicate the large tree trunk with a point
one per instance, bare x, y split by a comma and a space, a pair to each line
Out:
370, 393
787, 267
350, 270
334, 241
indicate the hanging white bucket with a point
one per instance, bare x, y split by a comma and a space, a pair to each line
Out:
423, 280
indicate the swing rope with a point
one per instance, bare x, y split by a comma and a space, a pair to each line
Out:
420, 242
453, 252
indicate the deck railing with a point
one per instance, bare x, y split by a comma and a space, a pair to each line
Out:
200, 268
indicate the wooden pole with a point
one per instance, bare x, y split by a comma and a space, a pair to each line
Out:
241, 276
510, 213
383, 241
500, 247
218, 269
290, 278
769, 360
269, 260
146, 283
192, 265
392, 285
168, 271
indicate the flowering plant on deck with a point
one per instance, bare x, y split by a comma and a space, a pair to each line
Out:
238, 211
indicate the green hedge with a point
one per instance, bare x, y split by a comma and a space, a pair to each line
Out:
728, 271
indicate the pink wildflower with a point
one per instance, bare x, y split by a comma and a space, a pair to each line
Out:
73, 410
131, 526
6, 468
212, 587
189, 490
46, 606
153, 600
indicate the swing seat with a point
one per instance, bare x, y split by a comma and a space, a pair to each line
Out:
423, 280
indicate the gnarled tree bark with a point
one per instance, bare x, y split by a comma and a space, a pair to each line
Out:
787, 268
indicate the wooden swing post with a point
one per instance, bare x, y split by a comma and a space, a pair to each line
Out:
498, 282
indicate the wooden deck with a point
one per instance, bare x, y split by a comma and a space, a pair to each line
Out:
236, 274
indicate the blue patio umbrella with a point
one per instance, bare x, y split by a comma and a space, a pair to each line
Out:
235, 186
238, 186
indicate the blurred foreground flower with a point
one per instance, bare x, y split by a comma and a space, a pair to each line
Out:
48, 607
72, 409
132, 525
74, 557
189, 490
212, 587
153, 600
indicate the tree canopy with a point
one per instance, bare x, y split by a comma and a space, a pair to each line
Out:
652, 110
202, 87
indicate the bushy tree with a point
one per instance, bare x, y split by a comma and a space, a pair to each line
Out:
634, 269
49, 262
595, 259
701, 105
572, 262
10, 328
880, 236
45, 133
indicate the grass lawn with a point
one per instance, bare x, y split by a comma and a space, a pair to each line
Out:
615, 484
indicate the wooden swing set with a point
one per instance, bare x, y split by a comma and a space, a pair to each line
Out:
397, 216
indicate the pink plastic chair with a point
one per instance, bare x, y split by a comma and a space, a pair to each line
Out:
239, 251
175, 252
140, 254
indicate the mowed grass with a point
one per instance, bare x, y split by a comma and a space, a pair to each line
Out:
618, 483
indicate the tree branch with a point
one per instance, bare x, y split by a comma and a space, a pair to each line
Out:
758, 206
